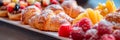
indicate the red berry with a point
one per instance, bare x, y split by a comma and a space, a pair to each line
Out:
45, 2
22, 7
116, 33
10, 7
61, 1
104, 27
65, 30
54, 1
107, 37
37, 4
85, 23
90, 33
77, 33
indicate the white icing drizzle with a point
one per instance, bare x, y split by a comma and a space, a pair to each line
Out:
65, 16
46, 12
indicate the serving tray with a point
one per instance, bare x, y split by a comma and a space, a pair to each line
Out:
18, 24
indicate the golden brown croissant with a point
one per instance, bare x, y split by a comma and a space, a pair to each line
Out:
48, 21
71, 8
58, 10
28, 13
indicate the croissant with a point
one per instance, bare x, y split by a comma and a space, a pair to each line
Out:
29, 12
71, 8
47, 21
58, 10
114, 18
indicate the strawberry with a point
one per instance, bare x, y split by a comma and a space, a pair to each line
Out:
65, 30
85, 23
10, 7
37, 4
54, 1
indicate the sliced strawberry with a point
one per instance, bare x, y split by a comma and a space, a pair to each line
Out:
65, 30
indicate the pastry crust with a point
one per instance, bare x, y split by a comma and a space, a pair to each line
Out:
71, 8
3, 13
59, 11
15, 17
114, 18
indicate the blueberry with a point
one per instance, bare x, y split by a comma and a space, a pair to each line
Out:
17, 6
1, 3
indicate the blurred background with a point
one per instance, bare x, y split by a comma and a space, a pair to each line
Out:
94, 3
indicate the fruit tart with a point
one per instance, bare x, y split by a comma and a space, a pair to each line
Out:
58, 10
47, 20
28, 13
14, 11
3, 9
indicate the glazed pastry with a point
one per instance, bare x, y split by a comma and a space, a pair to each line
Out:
28, 13
58, 10
3, 10
14, 11
47, 21
71, 8
107, 8
114, 18
94, 15
118, 10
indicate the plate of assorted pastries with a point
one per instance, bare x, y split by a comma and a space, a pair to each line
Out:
64, 18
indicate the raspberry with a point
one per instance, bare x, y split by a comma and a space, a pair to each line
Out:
90, 33
116, 33
85, 23
77, 33
65, 30
108, 37
104, 27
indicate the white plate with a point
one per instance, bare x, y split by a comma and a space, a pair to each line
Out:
17, 23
